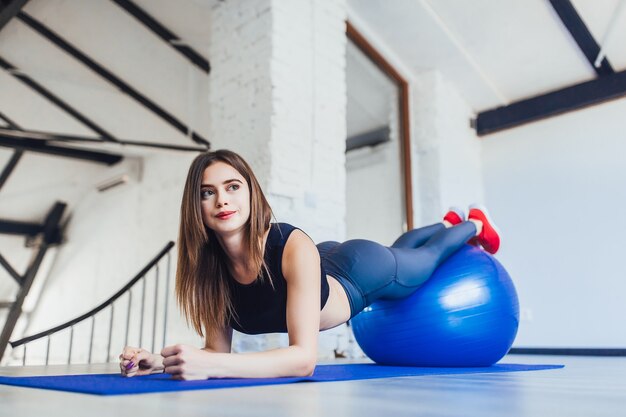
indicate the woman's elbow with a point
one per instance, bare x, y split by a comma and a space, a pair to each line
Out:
306, 366
307, 369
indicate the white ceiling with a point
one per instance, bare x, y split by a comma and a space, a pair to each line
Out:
494, 51
117, 41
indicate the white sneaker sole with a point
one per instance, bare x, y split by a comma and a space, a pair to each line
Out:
458, 212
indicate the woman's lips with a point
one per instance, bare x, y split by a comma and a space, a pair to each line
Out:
226, 216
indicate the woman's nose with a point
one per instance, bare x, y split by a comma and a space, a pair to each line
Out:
221, 200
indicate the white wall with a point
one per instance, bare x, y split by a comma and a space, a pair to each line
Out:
447, 166
554, 187
557, 189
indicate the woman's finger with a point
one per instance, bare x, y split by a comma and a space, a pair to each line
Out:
173, 370
144, 359
171, 361
171, 350
129, 352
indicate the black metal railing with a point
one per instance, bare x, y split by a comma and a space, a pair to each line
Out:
90, 315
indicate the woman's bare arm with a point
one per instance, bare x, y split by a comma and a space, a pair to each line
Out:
301, 268
221, 342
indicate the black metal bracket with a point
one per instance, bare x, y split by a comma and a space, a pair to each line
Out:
9, 9
50, 235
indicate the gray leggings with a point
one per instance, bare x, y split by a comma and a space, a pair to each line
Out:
369, 271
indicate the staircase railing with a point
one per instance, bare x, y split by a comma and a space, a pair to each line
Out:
111, 302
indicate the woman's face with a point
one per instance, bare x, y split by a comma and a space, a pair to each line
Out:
225, 198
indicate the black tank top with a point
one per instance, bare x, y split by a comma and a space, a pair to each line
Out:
259, 307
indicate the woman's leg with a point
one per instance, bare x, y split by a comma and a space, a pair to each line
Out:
415, 266
370, 271
417, 237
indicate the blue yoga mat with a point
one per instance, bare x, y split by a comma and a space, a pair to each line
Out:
116, 384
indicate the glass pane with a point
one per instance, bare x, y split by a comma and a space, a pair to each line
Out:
375, 190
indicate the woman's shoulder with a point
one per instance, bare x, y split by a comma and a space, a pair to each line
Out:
282, 226
280, 231
283, 231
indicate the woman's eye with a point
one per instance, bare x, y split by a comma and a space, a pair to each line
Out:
206, 193
236, 186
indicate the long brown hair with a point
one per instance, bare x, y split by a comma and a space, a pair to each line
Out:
202, 273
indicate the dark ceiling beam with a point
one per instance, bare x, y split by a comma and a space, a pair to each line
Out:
164, 33
11, 69
12, 227
10, 166
15, 158
34, 145
599, 90
10, 269
63, 138
9, 9
51, 236
579, 31
109, 76
9, 121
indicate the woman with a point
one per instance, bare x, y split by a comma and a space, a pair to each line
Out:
237, 270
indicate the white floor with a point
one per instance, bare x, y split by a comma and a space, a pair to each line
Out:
585, 387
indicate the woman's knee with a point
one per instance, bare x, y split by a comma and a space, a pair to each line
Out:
417, 237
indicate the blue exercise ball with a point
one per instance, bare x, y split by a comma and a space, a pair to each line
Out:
466, 314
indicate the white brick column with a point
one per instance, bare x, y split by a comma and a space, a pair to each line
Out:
447, 166
240, 85
277, 95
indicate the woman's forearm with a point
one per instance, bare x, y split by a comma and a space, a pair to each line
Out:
158, 363
283, 362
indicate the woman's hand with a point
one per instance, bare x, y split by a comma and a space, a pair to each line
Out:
138, 361
188, 362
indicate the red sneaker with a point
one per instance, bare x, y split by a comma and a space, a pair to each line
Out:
454, 216
489, 237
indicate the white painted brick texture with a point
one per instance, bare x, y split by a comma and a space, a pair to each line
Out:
277, 95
